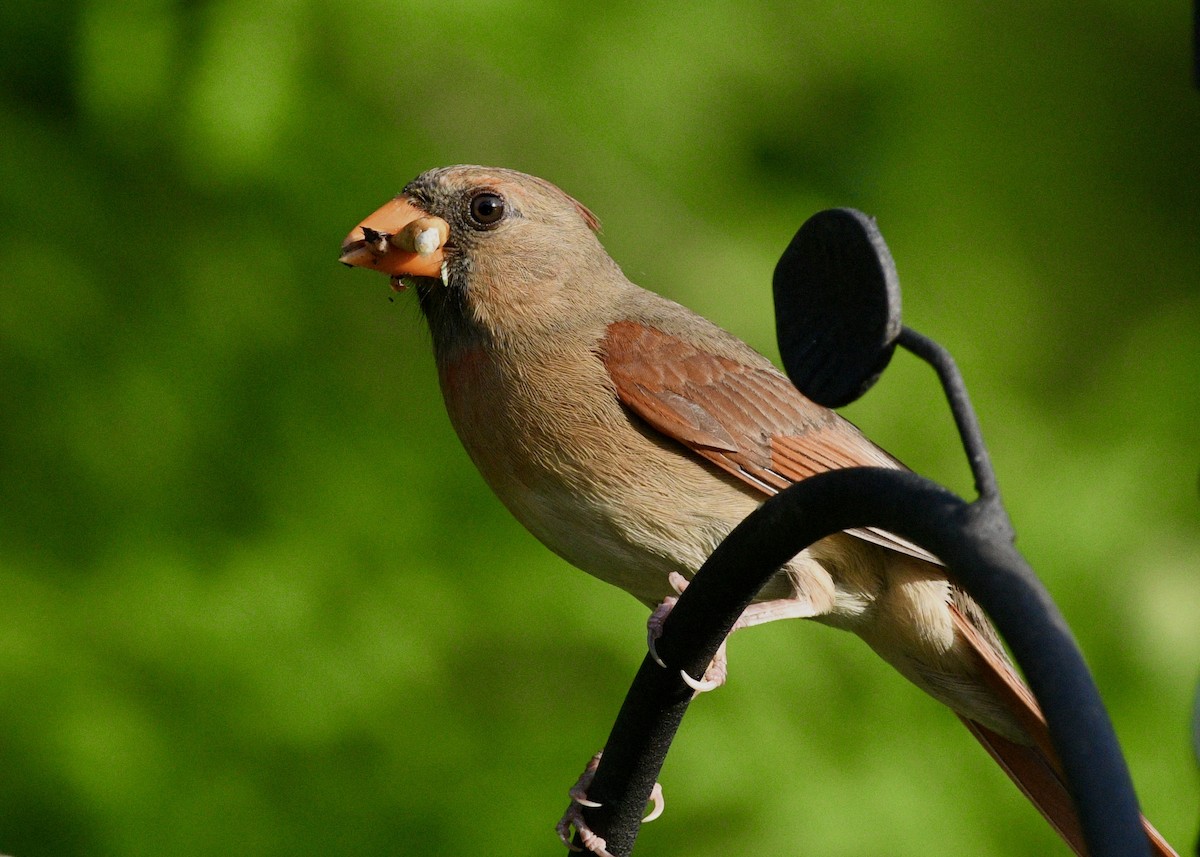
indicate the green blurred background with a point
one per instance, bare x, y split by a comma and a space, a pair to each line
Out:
255, 599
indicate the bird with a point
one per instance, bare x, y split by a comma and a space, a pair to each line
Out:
630, 435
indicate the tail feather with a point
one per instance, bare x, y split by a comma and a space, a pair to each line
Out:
1034, 768
1037, 780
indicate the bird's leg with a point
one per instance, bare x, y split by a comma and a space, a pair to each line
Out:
756, 614
573, 818
762, 612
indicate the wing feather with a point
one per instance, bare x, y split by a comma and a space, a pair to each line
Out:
746, 419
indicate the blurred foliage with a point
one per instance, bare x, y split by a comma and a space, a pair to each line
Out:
256, 600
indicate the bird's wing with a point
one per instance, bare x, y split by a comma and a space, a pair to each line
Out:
748, 420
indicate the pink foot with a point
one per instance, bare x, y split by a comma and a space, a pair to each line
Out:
756, 614
573, 818
717, 671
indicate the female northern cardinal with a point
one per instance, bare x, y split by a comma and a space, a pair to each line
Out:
630, 435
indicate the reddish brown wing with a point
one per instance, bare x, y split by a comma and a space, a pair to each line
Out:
748, 420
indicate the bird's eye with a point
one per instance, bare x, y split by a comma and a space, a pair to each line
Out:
487, 209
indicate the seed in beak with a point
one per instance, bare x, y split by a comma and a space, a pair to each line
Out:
423, 236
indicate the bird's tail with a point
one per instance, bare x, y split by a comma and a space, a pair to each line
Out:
1041, 782
1034, 768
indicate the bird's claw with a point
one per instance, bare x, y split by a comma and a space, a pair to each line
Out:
654, 626
572, 819
660, 803
704, 685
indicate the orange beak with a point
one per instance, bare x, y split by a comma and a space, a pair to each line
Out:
400, 240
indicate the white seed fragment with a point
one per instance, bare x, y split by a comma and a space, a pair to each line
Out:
427, 241
424, 236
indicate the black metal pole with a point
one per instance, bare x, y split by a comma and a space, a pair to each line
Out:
960, 406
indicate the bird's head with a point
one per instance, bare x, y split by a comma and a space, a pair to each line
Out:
502, 248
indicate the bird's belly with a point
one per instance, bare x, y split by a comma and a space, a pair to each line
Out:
630, 532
